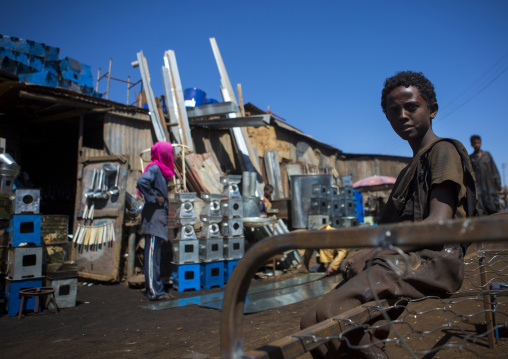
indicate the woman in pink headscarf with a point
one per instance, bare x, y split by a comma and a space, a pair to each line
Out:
153, 185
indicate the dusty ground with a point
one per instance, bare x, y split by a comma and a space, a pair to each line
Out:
108, 322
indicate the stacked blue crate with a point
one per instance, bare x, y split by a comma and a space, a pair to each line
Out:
77, 72
228, 268
358, 205
212, 274
6, 42
37, 63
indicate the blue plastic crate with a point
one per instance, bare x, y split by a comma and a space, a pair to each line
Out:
76, 77
51, 53
68, 64
212, 274
52, 66
86, 70
4, 52
12, 288
6, 42
36, 48
35, 62
228, 269
68, 84
21, 45
44, 78
186, 276
21, 57
9, 65
25, 228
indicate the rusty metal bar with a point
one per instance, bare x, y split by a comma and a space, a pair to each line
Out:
424, 234
305, 340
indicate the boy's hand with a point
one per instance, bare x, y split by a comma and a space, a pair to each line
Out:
330, 270
160, 200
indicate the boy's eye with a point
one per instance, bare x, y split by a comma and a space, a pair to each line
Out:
411, 107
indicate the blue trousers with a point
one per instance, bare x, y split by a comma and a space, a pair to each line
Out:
152, 267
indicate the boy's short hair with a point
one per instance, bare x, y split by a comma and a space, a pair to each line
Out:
406, 79
267, 187
475, 137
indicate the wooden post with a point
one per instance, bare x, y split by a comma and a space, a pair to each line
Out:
240, 98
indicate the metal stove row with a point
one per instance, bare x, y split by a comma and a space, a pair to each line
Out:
332, 206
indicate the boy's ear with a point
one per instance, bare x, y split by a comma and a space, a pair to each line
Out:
433, 110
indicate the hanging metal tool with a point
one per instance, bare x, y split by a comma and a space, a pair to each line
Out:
89, 194
114, 190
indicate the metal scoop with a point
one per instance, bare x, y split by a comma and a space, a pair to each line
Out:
98, 191
89, 192
114, 190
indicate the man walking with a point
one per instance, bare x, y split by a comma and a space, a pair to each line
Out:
488, 181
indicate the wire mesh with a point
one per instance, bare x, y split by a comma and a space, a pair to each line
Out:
462, 323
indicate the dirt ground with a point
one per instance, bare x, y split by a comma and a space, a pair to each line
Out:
108, 322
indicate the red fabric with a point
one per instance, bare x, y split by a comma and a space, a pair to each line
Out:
162, 156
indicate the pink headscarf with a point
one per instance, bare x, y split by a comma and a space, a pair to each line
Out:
162, 156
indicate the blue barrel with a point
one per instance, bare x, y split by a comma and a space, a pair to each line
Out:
210, 100
194, 97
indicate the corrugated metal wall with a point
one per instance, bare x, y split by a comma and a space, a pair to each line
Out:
370, 165
125, 136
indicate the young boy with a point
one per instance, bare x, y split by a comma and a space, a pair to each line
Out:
436, 186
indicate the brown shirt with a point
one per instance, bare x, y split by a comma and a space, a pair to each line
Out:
433, 164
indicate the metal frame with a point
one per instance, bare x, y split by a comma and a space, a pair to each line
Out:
491, 229
108, 75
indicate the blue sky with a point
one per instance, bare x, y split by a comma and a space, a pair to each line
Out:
320, 65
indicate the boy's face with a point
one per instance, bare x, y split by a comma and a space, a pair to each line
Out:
476, 143
268, 193
408, 112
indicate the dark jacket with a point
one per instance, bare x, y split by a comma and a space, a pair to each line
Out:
154, 217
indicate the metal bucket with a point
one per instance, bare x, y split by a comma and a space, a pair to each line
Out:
301, 190
133, 207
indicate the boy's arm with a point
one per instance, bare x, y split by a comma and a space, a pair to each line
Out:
442, 202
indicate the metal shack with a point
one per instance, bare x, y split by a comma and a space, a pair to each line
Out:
59, 138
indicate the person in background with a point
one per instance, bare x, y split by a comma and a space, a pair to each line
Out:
438, 185
488, 181
330, 258
153, 185
265, 204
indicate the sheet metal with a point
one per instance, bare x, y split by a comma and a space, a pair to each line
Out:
212, 109
216, 297
278, 298
273, 173
301, 189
